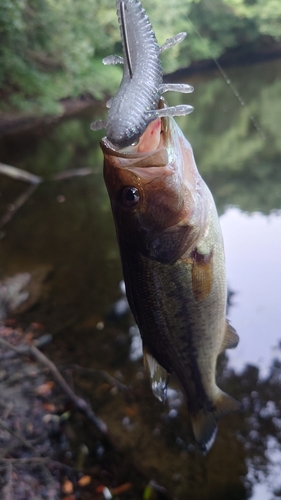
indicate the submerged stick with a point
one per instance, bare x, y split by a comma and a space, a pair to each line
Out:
19, 174
20, 201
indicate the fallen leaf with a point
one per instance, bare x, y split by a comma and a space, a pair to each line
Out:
50, 407
84, 481
121, 489
37, 326
130, 411
67, 487
45, 389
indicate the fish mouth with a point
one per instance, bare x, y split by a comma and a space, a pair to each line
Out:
151, 150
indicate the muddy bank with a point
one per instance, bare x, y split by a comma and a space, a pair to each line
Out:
16, 122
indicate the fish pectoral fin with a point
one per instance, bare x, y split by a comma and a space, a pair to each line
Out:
231, 338
174, 40
157, 375
98, 125
109, 60
176, 87
179, 110
204, 423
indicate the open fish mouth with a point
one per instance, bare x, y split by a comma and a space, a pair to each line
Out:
155, 139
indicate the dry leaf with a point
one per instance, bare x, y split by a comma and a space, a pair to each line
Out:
67, 487
84, 481
45, 389
49, 407
121, 489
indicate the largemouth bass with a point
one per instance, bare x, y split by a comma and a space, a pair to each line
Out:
173, 263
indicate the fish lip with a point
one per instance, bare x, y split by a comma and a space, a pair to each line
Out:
108, 147
155, 158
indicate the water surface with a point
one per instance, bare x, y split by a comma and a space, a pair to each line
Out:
67, 225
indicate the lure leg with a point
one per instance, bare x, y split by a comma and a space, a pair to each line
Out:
113, 60
176, 87
170, 42
98, 125
109, 102
180, 110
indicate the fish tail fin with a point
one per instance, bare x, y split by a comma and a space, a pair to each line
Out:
204, 423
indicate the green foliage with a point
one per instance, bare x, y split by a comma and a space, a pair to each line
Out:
51, 50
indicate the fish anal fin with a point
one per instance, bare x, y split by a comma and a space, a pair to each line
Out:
231, 338
225, 404
157, 375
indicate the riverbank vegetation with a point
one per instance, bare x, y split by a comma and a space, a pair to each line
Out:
50, 51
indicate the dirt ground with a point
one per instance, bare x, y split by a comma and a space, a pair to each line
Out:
42, 451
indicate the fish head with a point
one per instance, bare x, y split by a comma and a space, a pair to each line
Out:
153, 191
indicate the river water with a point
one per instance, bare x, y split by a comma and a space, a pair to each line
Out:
65, 230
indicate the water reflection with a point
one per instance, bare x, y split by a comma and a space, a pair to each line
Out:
67, 226
252, 246
240, 163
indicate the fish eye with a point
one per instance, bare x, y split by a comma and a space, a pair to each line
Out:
130, 197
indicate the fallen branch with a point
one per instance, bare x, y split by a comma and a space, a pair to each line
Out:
17, 204
7, 491
111, 380
19, 174
79, 402
75, 172
18, 436
30, 460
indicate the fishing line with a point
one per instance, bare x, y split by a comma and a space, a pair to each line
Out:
125, 38
231, 85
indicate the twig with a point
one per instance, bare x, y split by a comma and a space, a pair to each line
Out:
8, 488
113, 381
18, 436
75, 172
19, 174
24, 461
79, 402
35, 461
18, 204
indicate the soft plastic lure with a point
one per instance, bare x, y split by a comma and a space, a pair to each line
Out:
136, 102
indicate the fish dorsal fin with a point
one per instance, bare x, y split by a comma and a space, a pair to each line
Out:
157, 375
230, 339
